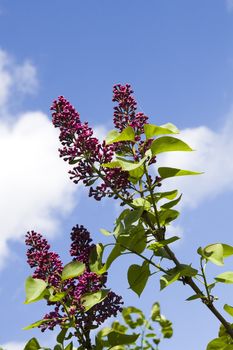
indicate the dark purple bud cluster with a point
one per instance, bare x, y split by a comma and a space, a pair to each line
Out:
115, 180
81, 148
81, 244
109, 307
125, 112
48, 264
49, 268
76, 137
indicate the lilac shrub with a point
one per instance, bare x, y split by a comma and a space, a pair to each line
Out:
125, 166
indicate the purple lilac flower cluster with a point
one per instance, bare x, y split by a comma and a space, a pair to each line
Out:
84, 150
48, 264
125, 115
125, 112
81, 148
49, 268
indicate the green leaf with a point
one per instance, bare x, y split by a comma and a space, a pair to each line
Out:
58, 347
171, 127
91, 299
155, 311
116, 338
217, 252
137, 239
166, 280
155, 130
168, 144
184, 270
57, 296
73, 269
156, 245
228, 309
69, 346
194, 297
134, 240
37, 324
120, 328
127, 315
142, 202
225, 277
111, 135
166, 327
176, 273
104, 332
124, 164
35, 289
133, 216
138, 276
171, 203
136, 174
166, 172
105, 232
162, 253
219, 344
168, 215
61, 336
126, 135
115, 253
32, 344
168, 195
95, 258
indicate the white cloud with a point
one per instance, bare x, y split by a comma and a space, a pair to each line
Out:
6, 79
26, 77
229, 4
15, 78
213, 156
34, 183
33, 180
13, 346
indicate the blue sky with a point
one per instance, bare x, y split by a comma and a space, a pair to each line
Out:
178, 56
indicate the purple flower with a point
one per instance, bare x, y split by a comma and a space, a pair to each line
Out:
49, 267
125, 112
80, 246
84, 150
48, 264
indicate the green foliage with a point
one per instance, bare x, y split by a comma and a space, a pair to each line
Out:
155, 130
166, 172
91, 299
134, 319
73, 269
114, 136
32, 344
36, 324
216, 253
156, 245
138, 276
175, 274
228, 309
225, 277
35, 289
223, 342
168, 144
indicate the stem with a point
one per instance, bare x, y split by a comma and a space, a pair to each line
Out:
145, 258
79, 334
152, 196
205, 281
